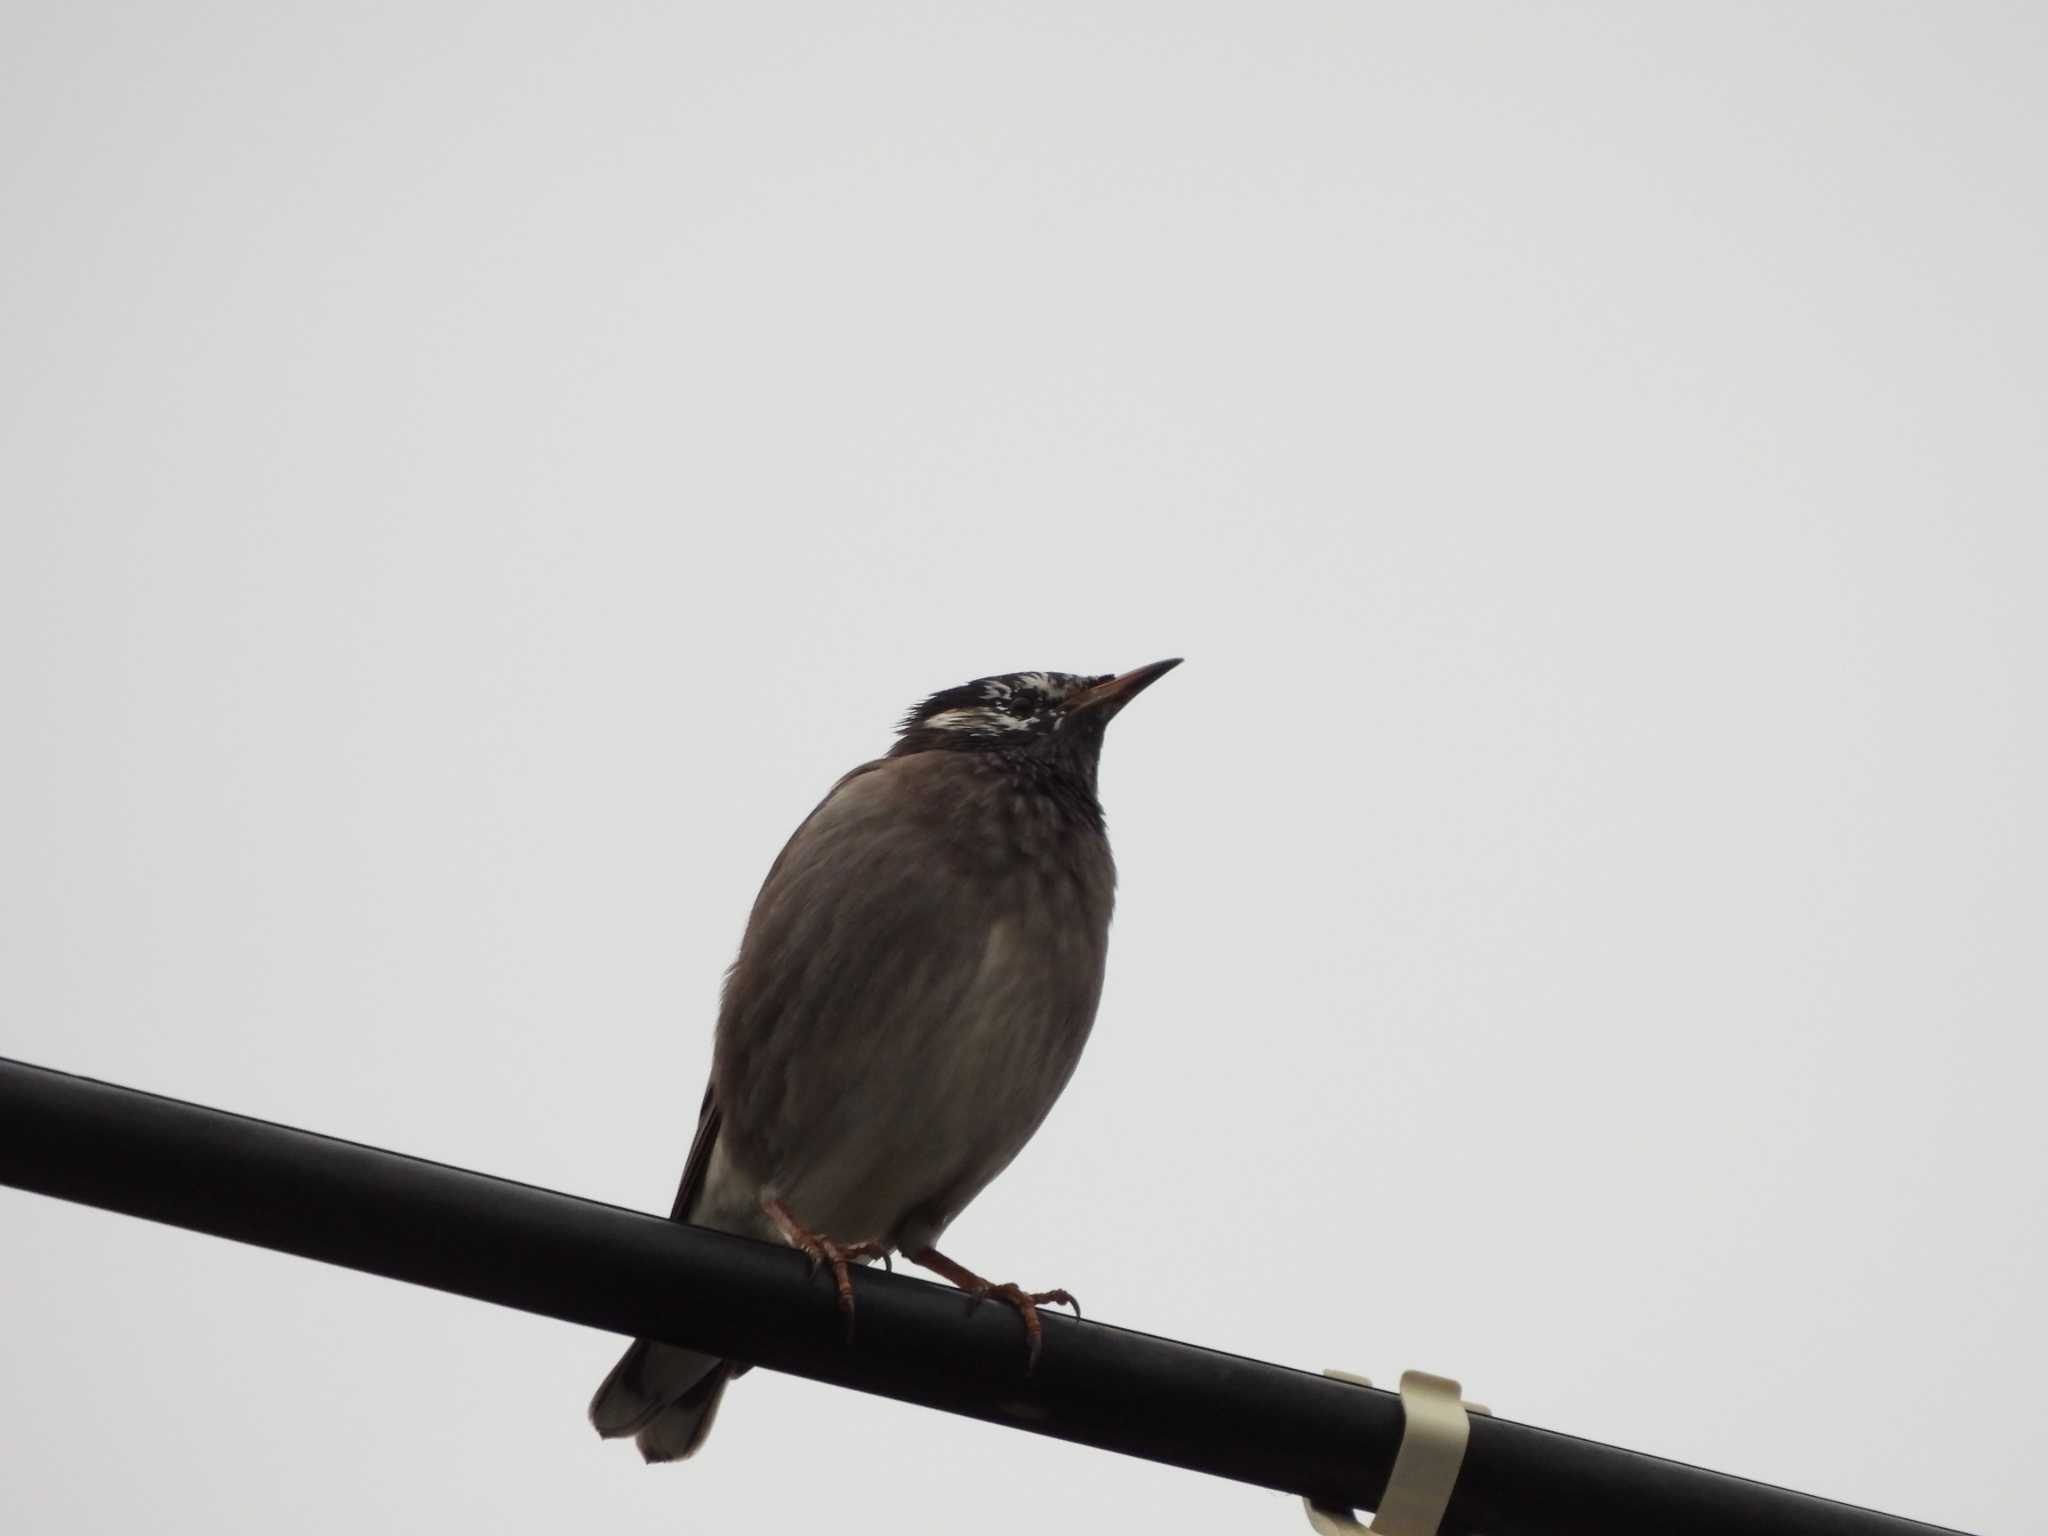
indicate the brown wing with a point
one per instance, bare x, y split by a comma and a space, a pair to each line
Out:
709, 1116
693, 1180
699, 1158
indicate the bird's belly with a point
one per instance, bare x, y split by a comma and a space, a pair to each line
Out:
932, 1129
890, 1133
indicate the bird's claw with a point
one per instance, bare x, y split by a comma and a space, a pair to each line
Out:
1027, 1304
822, 1250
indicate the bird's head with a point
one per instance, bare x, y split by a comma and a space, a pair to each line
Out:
1042, 714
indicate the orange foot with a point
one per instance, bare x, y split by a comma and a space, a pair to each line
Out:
823, 1250
1026, 1302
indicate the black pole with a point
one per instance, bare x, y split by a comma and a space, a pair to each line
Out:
631, 1273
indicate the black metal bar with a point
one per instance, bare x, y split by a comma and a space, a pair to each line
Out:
631, 1273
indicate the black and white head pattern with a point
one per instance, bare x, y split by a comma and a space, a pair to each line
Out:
1010, 709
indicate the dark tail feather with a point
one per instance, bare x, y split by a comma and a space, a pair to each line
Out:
653, 1384
680, 1428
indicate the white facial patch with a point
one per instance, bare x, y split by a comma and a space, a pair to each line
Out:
975, 720
1029, 702
1046, 685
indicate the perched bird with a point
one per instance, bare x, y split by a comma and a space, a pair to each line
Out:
916, 982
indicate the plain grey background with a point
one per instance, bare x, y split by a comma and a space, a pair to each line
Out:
473, 476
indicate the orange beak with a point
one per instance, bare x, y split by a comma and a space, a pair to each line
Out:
1106, 698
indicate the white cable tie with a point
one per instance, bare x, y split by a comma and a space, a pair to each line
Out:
1434, 1431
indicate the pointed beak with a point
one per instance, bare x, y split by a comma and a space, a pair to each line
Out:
1106, 698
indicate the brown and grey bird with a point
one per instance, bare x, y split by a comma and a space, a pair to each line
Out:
915, 985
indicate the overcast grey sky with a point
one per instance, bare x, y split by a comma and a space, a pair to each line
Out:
471, 477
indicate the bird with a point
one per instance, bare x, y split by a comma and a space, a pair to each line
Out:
915, 984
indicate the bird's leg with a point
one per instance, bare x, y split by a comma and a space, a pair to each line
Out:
1026, 1302
823, 1250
